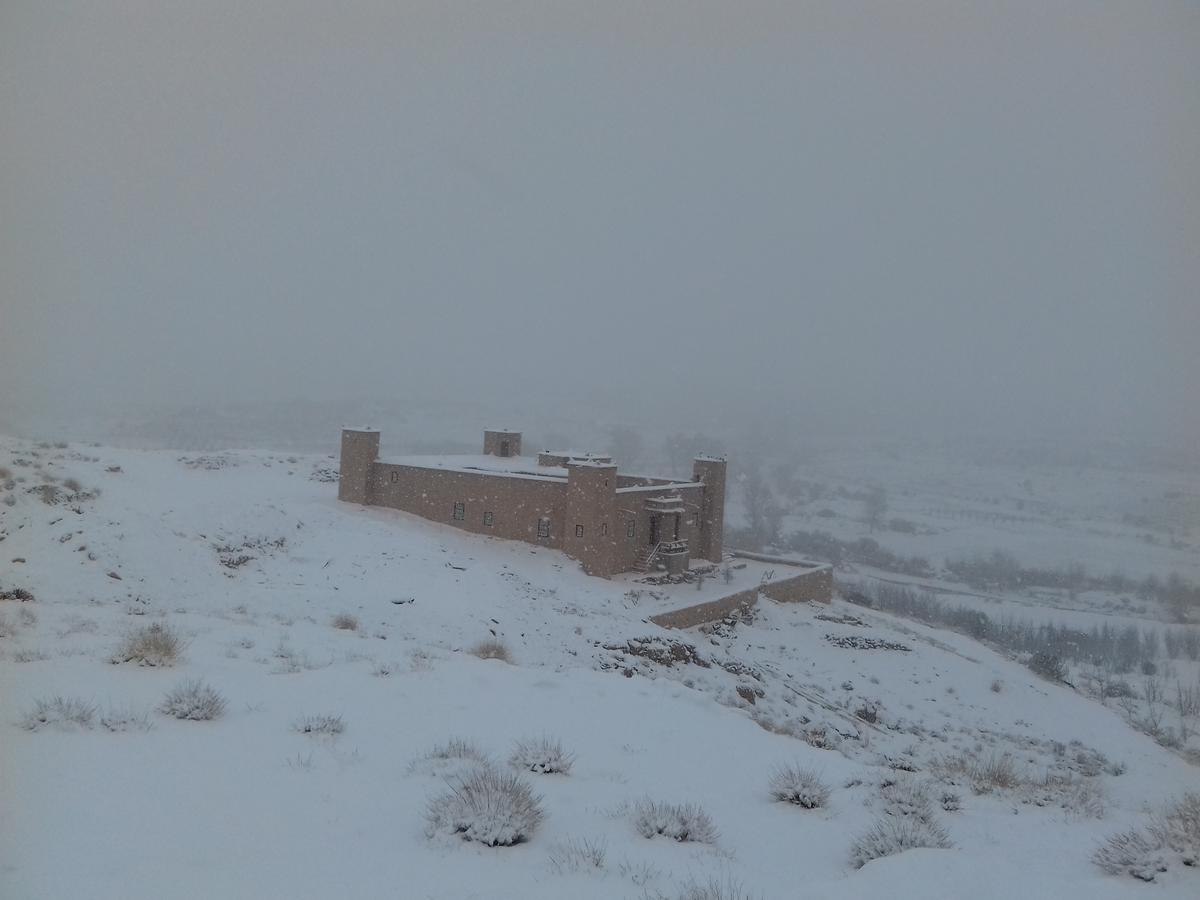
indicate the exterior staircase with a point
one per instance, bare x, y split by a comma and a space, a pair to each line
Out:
645, 559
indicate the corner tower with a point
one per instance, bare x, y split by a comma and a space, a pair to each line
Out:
501, 442
360, 449
710, 470
590, 516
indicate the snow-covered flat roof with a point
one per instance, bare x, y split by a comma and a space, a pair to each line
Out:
513, 466
646, 488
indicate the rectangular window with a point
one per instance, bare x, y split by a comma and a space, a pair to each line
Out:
603, 529
631, 529
395, 477
543, 528
578, 531
460, 512
488, 518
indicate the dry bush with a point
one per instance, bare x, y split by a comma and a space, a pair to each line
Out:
895, 835
542, 756
997, 772
345, 622
59, 712
458, 748
491, 807
121, 719
803, 787
683, 822
72, 485
157, 644
8, 628
908, 798
492, 648
997, 686
5, 473
578, 855
193, 700
1131, 853
1179, 828
324, 724
714, 890
47, 493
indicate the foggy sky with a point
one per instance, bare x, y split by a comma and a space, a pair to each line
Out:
926, 217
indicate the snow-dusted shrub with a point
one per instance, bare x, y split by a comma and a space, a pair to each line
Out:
889, 836
492, 649
322, 724
681, 822
1173, 834
1179, 828
458, 748
193, 700
997, 772
714, 890
120, 719
908, 798
542, 756
1131, 853
494, 808
1049, 665
59, 712
578, 855
950, 801
157, 644
803, 787
345, 622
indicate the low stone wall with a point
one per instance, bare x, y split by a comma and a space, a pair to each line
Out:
815, 586
703, 613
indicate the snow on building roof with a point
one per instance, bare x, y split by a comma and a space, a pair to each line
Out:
515, 466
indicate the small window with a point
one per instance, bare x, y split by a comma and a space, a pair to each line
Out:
395, 477
504, 448
543, 528
460, 512
603, 528
578, 531
631, 529
488, 518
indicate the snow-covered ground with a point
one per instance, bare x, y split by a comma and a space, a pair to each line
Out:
249, 557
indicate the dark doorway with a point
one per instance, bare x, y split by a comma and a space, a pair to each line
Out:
653, 530
504, 448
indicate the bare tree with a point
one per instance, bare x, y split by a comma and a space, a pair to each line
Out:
875, 506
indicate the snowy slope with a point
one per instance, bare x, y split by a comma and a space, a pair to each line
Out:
249, 556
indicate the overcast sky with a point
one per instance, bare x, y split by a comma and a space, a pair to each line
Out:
926, 217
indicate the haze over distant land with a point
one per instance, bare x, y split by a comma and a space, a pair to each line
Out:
906, 220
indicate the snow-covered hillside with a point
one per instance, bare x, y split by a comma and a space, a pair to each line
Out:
249, 558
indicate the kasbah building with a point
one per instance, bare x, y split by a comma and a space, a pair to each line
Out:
570, 501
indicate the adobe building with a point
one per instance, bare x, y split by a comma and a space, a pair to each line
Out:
570, 501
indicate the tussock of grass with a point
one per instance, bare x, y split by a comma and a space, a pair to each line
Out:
193, 700
487, 806
802, 787
492, 649
59, 712
345, 622
890, 835
543, 756
157, 644
683, 822
321, 724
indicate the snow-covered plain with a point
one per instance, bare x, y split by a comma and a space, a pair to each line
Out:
250, 557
